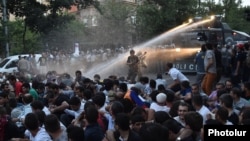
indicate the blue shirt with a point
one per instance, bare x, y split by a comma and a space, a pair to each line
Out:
199, 60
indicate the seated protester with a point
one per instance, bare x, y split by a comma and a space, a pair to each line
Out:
174, 128
170, 98
26, 88
161, 116
238, 101
183, 108
25, 109
136, 122
53, 127
76, 108
244, 115
66, 90
193, 127
99, 102
41, 93
200, 107
185, 93
123, 130
75, 133
34, 132
147, 113
8, 129
5, 88
39, 106
213, 98
159, 102
226, 101
58, 102
213, 122
115, 108
79, 121
15, 109
128, 105
4, 101
41, 117
92, 132
174, 108
153, 132
133, 95
196, 90
222, 116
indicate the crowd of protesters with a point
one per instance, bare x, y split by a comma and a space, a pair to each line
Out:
77, 108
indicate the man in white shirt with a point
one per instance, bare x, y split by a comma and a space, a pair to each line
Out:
160, 104
34, 132
200, 107
177, 77
183, 108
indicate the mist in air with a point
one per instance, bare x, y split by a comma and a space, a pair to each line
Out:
161, 49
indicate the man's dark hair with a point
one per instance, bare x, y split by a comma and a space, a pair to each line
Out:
117, 107
74, 101
75, 133
99, 100
154, 132
37, 105
237, 91
197, 100
170, 65
227, 100
173, 125
51, 123
26, 85
54, 86
161, 116
78, 71
31, 122
91, 114
123, 87
41, 117
194, 120
87, 94
209, 46
12, 77
123, 121
80, 88
137, 118
222, 113
27, 98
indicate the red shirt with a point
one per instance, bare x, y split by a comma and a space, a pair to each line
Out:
18, 88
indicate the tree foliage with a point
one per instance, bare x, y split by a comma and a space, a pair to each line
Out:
114, 24
157, 16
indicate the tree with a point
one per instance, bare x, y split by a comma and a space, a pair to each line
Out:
114, 24
157, 16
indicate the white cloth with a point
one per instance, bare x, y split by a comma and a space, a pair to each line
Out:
161, 82
157, 107
41, 135
204, 111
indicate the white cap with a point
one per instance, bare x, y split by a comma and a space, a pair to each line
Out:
161, 98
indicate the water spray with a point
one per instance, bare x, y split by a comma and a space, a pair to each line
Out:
117, 66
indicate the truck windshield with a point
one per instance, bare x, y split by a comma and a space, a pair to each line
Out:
4, 62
